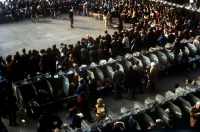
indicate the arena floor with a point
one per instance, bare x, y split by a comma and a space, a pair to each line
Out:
43, 34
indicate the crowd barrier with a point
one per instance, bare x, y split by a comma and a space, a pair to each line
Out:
104, 70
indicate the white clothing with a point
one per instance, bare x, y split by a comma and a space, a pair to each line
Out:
126, 43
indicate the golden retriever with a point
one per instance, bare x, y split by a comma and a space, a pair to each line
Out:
96, 15
77, 12
39, 16
57, 14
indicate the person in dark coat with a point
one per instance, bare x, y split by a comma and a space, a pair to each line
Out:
120, 25
115, 47
83, 105
176, 50
74, 121
107, 37
93, 55
84, 55
131, 81
92, 88
71, 17
24, 59
11, 108
137, 44
34, 63
77, 52
117, 79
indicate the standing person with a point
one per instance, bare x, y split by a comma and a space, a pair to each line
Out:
84, 107
140, 71
126, 43
176, 49
11, 108
153, 75
85, 8
81, 87
195, 115
71, 17
108, 37
120, 25
73, 119
117, 79
52, 9
92, 88
131, 81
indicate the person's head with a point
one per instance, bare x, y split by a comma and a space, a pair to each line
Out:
99, 101
71, 111
24, 50
197, 105
106, 32
54, 46
82, 81
176, 85
42, 51
188, 81
117, 67
9, 58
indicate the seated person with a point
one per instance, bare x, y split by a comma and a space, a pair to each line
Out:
100, 109
175, 87
189, 84
195, 115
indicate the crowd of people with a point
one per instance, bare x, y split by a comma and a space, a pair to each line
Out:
152, 25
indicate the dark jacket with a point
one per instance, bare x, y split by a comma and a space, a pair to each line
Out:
114, 46
93, 56
176, 48
108, 38
11, 104
118, 77
84, 54
132, 78
71, 15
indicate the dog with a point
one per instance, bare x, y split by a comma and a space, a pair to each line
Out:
43, 96
39, 16
57, 14
96, 15
90, 13
77, 12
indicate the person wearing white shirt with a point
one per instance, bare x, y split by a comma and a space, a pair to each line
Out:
125, 42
